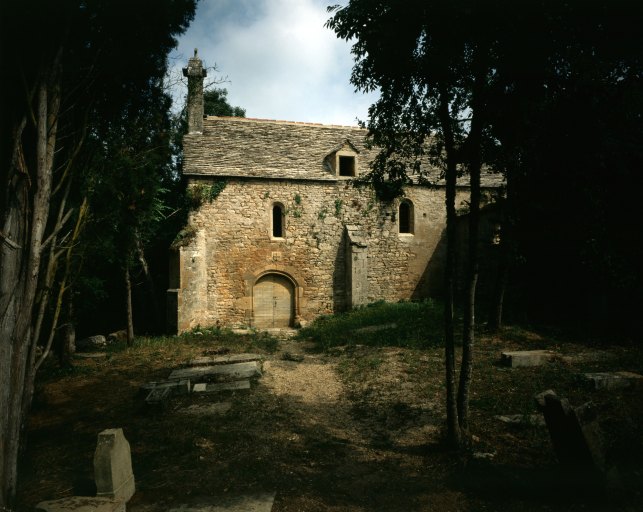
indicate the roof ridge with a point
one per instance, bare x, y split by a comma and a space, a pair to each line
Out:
282, 121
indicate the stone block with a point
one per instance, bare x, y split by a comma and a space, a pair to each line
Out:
225, 372
614, 380
574, 432
113, 466
91, 343
525, 358
81, 504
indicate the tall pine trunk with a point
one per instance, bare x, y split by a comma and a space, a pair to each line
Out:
129, 312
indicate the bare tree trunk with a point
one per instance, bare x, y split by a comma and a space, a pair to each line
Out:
24, 220
494, 322
128, 299
453, 429
474, 140
148, 277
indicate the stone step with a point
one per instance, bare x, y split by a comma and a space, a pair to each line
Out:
227, 359
614, 380
223, 372
526, 358
202, 387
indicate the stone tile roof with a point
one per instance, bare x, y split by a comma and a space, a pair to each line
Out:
247, 147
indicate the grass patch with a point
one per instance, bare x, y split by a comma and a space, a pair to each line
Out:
402, 324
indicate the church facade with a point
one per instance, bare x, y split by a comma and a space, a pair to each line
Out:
281, 234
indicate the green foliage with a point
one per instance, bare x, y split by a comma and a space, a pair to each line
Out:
338, 207
184, 237
322, 213
402, 324
201, 193
215, 103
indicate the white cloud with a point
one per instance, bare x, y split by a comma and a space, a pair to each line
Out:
281, 62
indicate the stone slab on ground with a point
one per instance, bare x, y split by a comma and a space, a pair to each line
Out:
177, 387
215, 409
533, 420
202, 387
158, 396
614, 380
224, 372
526, 358
81, 504
232, 358
252, 503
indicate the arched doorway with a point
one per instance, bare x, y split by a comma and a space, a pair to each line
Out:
273, 301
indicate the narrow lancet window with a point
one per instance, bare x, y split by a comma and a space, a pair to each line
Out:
277, 221
406, 217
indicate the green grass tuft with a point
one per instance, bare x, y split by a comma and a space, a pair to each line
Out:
402, 324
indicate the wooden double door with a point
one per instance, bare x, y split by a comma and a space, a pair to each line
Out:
273, 302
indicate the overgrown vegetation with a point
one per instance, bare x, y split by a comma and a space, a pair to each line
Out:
402, 324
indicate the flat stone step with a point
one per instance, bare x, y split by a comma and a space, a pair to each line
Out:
614, 380
227, 359
90, 355
223, 372
526, 358
251, 503
81, 504
203, 387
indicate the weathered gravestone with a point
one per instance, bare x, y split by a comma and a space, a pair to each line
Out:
113, 466
574, 432
113, 475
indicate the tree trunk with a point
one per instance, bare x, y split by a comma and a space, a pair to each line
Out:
148, 277
24, 220
494, 322
474, 163
453, 429
128, 299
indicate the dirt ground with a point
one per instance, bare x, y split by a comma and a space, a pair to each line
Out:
353, 429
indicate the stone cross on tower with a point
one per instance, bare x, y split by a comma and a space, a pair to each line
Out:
195, 74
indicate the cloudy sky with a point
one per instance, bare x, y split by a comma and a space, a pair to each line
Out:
279, 60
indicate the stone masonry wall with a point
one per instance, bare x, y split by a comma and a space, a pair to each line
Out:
233, 247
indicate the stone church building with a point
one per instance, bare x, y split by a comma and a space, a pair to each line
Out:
289, 236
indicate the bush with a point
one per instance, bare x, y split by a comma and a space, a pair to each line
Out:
402, 324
